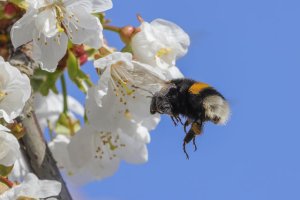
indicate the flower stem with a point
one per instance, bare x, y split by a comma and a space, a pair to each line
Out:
65, 94
112, 28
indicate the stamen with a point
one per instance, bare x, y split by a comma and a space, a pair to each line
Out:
163, 51
57, 40
3, 95
127, 114
67, 28
111, 142
114, 85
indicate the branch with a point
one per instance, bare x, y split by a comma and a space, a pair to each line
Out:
35, 148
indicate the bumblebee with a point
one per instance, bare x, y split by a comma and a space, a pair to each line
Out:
196, 101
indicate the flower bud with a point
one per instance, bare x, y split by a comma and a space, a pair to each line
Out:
83, 58
126, 33
10, 10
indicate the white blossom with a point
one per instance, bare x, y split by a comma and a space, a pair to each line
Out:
14, 91
9, 147
58, 147
160, 43
32, 187
3, 128
49, 23
128, 85
20, 169
96, 154
97, 149
48, 108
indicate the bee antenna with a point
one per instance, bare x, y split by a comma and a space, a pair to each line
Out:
143, 89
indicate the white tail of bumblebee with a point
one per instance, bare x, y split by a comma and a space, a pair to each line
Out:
216, 109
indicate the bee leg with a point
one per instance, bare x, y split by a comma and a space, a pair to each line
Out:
195, 130
186, 123
173, 119
188, 137
179, 120
184, 150
194, 143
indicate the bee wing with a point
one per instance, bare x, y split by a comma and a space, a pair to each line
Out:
148, 78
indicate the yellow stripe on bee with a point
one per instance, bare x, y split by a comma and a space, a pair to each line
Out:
196, 88
196, 128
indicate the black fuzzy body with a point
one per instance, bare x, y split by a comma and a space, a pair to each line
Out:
178, 99
187, 104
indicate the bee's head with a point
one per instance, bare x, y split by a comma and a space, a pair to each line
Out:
216, 109
161, 102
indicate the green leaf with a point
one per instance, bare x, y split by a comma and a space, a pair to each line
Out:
1, 12
43, 81
20, 3
76, 74
5, 171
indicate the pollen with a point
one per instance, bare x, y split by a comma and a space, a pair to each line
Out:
107, 145
196, 128
2, 95
127, 114
162, 52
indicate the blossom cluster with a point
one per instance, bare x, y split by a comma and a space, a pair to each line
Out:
116, 111
15, 90
116, 107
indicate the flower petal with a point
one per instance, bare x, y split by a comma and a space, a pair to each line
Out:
86, 30
20, 170
175, 36
101, 6
82, 140
49, 51
21, 32
58, 147
160, 43
35, 188
48, 108
87, 167
38, 3
105, 64
91, 6
10, 149
135, 151
173, 73
16, 87
74, 105
3, 128
46, 22
151, 122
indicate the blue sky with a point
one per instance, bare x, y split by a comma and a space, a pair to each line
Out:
249, 51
